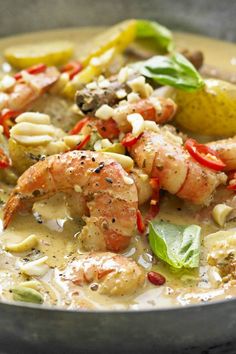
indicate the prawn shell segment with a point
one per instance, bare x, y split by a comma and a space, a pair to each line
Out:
105, 187
115, 275
163, 156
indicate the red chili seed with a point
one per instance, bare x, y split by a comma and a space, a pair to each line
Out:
156, 278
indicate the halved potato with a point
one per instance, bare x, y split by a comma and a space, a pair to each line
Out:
210, 111
49, 53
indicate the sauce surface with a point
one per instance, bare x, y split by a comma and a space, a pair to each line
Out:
58, 233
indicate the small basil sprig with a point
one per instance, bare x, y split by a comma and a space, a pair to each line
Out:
177, 245
175, 71
157, 33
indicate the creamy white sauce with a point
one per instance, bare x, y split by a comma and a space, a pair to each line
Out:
59, 234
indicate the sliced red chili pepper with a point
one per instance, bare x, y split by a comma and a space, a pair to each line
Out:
129, 140
4, 160
4, 117
204, 155
156, 278
231, 175
232, 180
232, 187
72, 68
78, 127
140, 224
36, 69
83, 142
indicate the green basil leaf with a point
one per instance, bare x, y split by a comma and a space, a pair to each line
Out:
177, 245
156, 32
174, 71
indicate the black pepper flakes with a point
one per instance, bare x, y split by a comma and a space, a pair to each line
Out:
109, 180
99, 168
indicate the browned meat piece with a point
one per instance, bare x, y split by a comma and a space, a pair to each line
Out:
196, 57
89, 100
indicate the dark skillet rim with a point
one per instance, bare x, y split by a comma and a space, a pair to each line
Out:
46, 308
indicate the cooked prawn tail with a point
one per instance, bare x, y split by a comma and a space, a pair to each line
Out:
13, 206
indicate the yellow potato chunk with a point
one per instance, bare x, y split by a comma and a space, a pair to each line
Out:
49, 53
210, 111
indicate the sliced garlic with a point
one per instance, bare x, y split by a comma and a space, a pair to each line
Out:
104, 112
152, 126
35, 268
7, 82
220, 213
33, 284
92, 85
133, 97
72, 140
77, 188
33, 117
104, 84
25, 245
138, 85
124, 74
103, 59
137, 122
121, 94
106, 143
214, 276
126, 162
128, 180
98, 145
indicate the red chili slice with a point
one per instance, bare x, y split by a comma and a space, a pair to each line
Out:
4, 160
232, 187
36, 69
83, 142
4, 117
129, 140
72, 68
78, 127
200, 151
156, 278
140, 223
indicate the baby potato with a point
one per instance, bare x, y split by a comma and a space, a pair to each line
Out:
49, 53
23, 156
210, 111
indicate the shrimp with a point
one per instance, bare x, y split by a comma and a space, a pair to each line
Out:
226, 150
108, 273
27, 89
109, 197
158, 109
162, 155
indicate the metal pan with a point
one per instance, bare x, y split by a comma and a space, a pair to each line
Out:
206, 328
